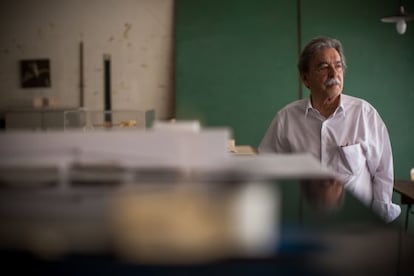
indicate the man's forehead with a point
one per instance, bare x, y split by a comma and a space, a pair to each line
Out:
326, 54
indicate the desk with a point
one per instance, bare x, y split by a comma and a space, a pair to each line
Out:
60, 118
28, 118
244, 150
406, 189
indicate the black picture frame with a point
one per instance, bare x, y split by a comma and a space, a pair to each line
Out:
35, 73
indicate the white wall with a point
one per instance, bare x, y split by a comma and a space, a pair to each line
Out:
138, 34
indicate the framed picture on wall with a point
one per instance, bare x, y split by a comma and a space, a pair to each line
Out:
35, 73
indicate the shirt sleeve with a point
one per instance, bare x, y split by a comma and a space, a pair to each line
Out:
382, 172
267, 145
272, 141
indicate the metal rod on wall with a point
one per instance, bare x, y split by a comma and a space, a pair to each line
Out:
299, 38
107, 88
81, 78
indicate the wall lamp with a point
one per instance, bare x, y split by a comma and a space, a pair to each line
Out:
400, 19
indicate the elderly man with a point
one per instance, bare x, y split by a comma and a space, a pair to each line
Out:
345, 133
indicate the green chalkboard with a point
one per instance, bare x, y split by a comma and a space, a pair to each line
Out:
235, 63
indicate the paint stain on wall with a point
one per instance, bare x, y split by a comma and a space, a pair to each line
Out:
19, 47
124, 86
127, 28
40, 33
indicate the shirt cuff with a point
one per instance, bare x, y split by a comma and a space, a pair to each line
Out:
387, 211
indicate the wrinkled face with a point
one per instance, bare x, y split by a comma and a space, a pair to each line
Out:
325, 75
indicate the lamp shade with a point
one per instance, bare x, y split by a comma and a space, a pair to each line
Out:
400, 20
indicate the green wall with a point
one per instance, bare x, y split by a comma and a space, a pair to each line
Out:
236, 62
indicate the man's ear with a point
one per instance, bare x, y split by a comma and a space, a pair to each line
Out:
304, 79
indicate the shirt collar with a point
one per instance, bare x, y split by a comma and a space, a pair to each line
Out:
308, 106
340, 109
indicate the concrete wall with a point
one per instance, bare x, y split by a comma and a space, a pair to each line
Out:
138, 35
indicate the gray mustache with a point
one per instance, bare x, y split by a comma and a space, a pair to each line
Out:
332, 81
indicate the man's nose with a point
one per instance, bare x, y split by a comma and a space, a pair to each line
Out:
332, 71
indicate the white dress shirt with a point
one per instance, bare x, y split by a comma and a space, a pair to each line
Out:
353, 142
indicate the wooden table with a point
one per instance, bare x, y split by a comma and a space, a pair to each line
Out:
406, 189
